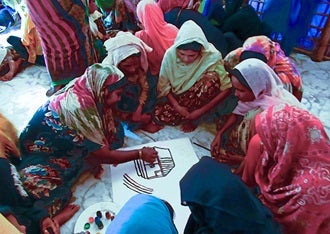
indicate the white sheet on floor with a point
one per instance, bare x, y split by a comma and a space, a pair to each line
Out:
166, 187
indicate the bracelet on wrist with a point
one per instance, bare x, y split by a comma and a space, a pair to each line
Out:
140, 154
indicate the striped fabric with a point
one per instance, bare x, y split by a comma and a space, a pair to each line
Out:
65, 35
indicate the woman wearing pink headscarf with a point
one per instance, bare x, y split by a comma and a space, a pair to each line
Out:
270, 52
289, 159
156, 33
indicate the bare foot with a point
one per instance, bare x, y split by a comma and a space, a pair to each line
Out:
188, 127
66, 213
152, 127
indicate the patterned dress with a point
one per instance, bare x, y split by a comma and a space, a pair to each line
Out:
195, 84
66, 38
54, 149
293, 169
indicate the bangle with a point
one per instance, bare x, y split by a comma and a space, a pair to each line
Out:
140, 154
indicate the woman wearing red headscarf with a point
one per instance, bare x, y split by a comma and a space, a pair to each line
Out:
289, 159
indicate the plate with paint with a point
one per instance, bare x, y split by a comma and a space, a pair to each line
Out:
96, 218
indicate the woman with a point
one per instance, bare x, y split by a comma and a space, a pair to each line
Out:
29, 44
177, 13
73, 132
271, 53
144, 213
241, 23
257, 87
192, 80
129, 54
155, 32
15, 203
289, 159
66, 38
220, 202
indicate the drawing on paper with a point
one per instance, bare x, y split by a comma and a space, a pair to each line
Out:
161, 168
135, 186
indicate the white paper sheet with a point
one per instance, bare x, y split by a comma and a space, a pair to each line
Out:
167, 187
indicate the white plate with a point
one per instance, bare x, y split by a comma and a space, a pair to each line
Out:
91, 212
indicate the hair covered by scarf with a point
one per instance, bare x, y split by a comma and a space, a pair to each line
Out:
265, 85
220, 201
275, 56
294, 168
156, 32
178, 77
123, 45
80, 104
143, 213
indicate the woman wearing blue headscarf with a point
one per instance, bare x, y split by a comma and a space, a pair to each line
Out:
145, 214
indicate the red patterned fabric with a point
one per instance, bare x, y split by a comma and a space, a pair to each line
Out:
293, 171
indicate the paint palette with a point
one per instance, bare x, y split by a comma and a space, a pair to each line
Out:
96, 218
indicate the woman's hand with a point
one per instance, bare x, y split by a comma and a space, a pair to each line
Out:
230, 159
148, 154
239, 170
50, 226
216, 145
138, 116
182, 110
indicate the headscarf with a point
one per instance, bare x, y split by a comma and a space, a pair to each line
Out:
123, 45
265, 85
232, 58
167, 5
145, 214
293, 171
262, 46
221, 203
177, 77
80, 104
156, 33
276, 59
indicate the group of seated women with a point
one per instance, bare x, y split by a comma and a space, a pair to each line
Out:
265, 138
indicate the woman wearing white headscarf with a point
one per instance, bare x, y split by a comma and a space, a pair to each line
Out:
129, 54
257, 87
192, 79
